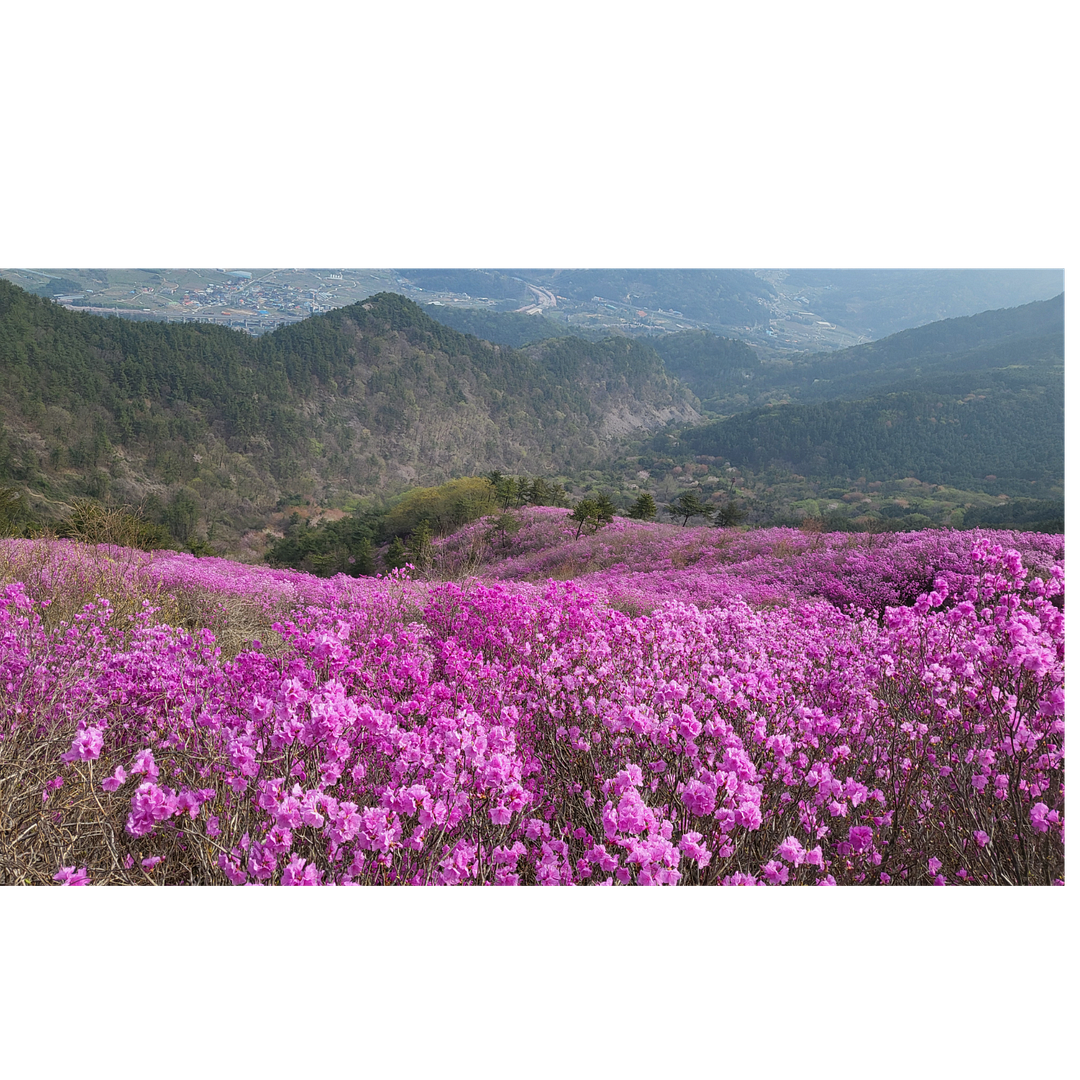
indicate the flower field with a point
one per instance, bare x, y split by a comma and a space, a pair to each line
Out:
643, 705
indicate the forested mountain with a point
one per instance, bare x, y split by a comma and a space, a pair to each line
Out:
220, 426
975, 403
715, 368
1012, 430
728, 375
1029, 334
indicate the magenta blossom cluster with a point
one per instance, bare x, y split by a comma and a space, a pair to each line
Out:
508, 733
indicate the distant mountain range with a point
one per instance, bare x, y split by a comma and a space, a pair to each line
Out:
779, 311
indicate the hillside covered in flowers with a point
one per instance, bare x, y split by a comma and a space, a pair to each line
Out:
644, 704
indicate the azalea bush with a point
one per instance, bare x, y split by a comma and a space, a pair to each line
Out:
782, 709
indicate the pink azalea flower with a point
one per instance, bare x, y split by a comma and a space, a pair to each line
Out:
68, 875
232, 869
86, 746
699, 798
144, 765
692, 846
776, 873
111, 783
860, 837
631, 812
1038, 816
741, 879
791, 850
149, 805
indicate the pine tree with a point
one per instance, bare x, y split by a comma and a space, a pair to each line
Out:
644, 509
689, 505
730, 514
583, 513
596, 511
